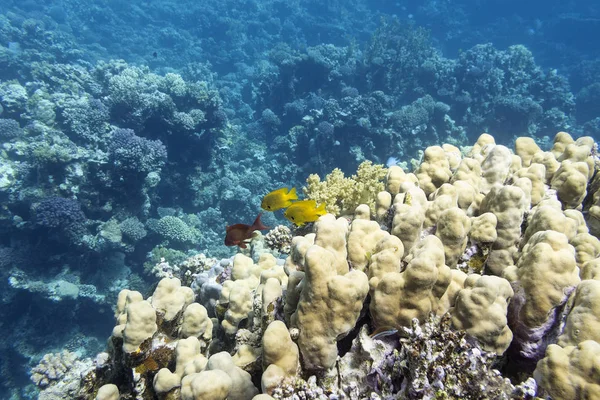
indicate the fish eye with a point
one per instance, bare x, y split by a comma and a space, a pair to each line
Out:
293, 219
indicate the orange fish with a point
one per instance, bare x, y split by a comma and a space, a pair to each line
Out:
236, 235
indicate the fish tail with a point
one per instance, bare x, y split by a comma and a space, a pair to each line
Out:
258, 225
292, 194
321, 209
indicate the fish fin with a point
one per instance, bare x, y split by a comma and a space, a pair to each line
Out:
242, 245
282, 190
258, 225
321, 209
292, 195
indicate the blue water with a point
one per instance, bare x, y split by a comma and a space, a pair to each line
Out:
138, 129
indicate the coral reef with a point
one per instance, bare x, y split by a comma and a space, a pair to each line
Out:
130, 141
360, 309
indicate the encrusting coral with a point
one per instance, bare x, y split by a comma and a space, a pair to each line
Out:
383, 301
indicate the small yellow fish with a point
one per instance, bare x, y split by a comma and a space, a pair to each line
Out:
304, 211
278, 199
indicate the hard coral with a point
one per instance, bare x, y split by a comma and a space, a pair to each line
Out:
52, 368
342, 195
134, 154
279, 238
174, 230
55, 212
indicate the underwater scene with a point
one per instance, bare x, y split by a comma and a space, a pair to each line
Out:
299, 199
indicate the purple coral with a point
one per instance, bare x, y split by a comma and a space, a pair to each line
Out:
58, 212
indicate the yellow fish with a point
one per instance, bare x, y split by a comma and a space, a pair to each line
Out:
278, 199
304, 211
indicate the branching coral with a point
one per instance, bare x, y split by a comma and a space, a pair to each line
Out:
342, 195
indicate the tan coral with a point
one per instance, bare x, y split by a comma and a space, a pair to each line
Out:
125, 298
453, 227
587, 248
549, 217
207, 385
469, 171
481, 308
196, 322
579, 219
546, 271
328, 307
453, 155
300, 244
536, 173
442, 199
509, 204
495, 168
362, 212
280, 356
570, 373
526, 148
591, 269
561, 141
409, 217
237, 297
331, 235
186, 352
383, 202
165, 381
583, 319
448, 300
140, 325
362, 239
467, 194
170, 298
242, 387
570, 183
434, 170
483, 144
396, 177
108, 392
414, 293
245, 269
548, 160
483, 228
580, 151
386, 258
